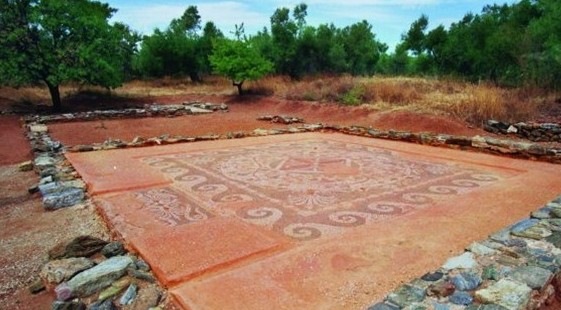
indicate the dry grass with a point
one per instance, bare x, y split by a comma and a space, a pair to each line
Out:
175, 87
469, 102
327, 89
398, 91
478, 103
395, 91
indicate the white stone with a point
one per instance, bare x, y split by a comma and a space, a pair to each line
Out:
44, 161
260, 132
465, 261
479, 142
100, 276
60, 270
38, 128
196, 110
512, 129
480, 249
542, 245
506, 293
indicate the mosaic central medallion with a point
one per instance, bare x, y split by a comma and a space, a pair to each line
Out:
306, 189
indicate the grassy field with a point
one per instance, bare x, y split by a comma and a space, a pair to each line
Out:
465, 101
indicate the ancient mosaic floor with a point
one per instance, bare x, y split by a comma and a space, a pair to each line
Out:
307, 220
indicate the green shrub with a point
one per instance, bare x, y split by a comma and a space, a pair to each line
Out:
354, 96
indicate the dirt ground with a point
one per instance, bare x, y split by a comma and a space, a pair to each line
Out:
243, 116
28, 231
15, 147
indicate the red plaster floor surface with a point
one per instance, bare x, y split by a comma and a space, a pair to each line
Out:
305, 221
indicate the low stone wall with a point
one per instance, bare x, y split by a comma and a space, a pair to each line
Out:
149, 110
283, 119
544, 132
506, 147
511, 148
60, 185
515, 268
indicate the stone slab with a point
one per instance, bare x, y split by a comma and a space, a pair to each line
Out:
187, 251
195, 110
104, 172
161, 224
39, 128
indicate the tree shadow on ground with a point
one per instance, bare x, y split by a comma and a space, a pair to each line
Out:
79, 101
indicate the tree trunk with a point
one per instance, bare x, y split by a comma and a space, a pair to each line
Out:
195, 77
55, 97
239, 86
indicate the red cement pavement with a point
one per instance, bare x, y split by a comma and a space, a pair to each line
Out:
308, 221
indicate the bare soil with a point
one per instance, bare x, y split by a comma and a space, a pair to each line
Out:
14, 147
243, 116
28, 232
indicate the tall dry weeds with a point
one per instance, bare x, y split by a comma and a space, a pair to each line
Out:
484, 102
393, 91
480, 103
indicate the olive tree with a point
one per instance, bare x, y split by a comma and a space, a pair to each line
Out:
58, 41
239, 61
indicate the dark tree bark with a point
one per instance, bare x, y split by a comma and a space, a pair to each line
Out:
195, 77
55, 97
239, 86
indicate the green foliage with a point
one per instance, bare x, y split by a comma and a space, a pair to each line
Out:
361, 48
297, 49
543, 63
434, 44
239, 61
57, 41
397, 63
263, 42
332, 56
169, 53
189, 22
179, 50
284, 31
354, 96
509, 45
415, 37
210, 34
